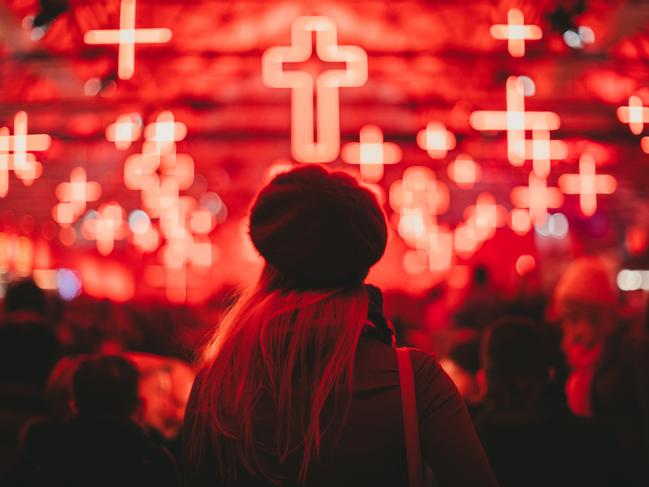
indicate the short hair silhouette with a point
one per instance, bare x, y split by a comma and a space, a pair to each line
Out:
106, 386
25, 295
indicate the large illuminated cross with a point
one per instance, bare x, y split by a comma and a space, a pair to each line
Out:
126, 37
371, 153
515, 120
587, 184
74, 196
515, 32
305, 145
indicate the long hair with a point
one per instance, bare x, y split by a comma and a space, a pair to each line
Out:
293, 348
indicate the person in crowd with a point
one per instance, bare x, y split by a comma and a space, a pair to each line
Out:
608, 360
530, 438
462, 365
28, 352
295, 386
100, 445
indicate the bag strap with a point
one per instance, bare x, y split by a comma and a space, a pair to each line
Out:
410, 418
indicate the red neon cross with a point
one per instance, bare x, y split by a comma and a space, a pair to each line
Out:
542, 151
587, 184
485, 216
538, 197
126, 37
107, 227
516, 32
635, 114
327, 117
515, 120
78, 191
15, 151
436, 140
124, 131
163, 134
371, 153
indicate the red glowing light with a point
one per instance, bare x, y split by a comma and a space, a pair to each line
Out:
163, 134
644, 143
15, 153
525, 264
542, 151
587, 184
140, 171
464, 171
485, 216
327, 118
180, 167
74, 196
436, 140
419, 189
538, 197
514, 120
635, 114
201, 221
516, 32
519, 221
371, 153
126, 37
108, 226
124, 131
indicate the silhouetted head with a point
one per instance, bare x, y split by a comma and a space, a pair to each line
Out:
515, 358
25, 295
318, 229
106, 386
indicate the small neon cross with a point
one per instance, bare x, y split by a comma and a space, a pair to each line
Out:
514, 120
126, 37
163, 134
635, 114
74, 196
542, 151
516, 32
537, 197
371, 153
485, 216
326, 145
107, 226
124, 131
587, 184
436, 140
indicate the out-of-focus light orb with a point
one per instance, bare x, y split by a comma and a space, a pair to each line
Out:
37, 33
587, 35
525, 264
215, 205
528, 85
555, 226
68, 284
139, 222
92, 87
573, 39
629, 280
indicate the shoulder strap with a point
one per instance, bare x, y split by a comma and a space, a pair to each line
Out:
410, 418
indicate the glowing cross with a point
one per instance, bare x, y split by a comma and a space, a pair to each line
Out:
140, 171
371, 153
587, 184
162, 134
436, 140
326, 145
74, 195
5, 165
485, 216
126, 129
126, 37
516, 32
16, 148
464, 171
636, 115
538, 197
515, 120
542, 151
107, 226
419, 189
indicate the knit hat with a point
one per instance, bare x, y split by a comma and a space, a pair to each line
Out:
319, 229
586, 280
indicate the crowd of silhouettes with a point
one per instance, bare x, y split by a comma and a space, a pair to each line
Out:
557, 387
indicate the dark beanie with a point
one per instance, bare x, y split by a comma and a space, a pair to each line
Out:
319, 229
